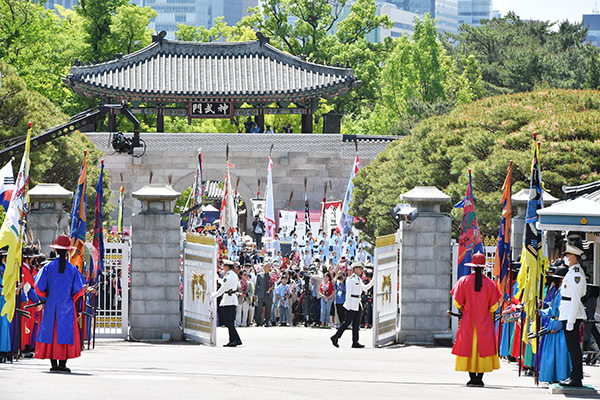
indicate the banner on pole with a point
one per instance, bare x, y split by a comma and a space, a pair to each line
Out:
287, 222
331, 212
258, 207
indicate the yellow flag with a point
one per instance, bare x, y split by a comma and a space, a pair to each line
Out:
11, 234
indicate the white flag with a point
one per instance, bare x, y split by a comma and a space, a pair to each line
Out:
270, 211
7, 185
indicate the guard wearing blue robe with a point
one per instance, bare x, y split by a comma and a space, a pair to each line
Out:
58, 337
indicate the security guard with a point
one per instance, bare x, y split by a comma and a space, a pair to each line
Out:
354, 288
229, 290
571, 312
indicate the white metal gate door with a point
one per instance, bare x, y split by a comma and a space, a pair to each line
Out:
112, 318
199, 273
385, 299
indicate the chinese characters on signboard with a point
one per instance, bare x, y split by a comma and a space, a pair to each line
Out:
210, 109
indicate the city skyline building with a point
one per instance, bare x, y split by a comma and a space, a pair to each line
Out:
189, 12
446, 12
592, 21
473, 11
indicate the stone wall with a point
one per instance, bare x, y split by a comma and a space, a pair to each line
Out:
155, 277
47, 225
322, 158
425, 277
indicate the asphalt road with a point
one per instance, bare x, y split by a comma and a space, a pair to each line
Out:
273, 363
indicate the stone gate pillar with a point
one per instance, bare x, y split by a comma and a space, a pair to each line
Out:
155, 265
47, 219
424, 267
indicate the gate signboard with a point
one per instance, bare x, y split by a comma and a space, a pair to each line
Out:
113, 292
199, 273
385, 299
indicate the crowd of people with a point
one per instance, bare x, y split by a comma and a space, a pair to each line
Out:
305, 286
252, 127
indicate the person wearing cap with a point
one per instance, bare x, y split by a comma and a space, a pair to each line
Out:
555, 364
354, 288
63, 284
476, 297
572, 312
228, 290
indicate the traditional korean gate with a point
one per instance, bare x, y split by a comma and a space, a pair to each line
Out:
385, 298
199, 273
113, 292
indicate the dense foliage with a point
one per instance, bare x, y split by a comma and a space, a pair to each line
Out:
484, 136
56, 162
517, 55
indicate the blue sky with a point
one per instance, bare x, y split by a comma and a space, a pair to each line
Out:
553, 10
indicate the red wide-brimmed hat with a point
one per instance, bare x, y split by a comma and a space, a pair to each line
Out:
62, 242
478, 261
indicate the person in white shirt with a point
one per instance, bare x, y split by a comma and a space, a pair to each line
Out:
228, 290
276, 245
354, 288
337, 247
307, 258
362, 256
277, 257
572, 312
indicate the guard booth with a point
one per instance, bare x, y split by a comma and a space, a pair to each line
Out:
385, 292
199, 315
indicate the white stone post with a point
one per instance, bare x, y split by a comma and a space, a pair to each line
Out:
155, 257
425, 268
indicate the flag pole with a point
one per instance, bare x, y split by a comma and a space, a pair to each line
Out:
20, 245
540, 294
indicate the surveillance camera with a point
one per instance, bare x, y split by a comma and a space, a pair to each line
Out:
404, 212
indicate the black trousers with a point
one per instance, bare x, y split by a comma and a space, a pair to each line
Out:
341, 311
572, 338
228, 315
267, 303
351, 317
258, 240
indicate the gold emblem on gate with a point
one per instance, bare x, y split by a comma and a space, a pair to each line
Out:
387, 283
197, 283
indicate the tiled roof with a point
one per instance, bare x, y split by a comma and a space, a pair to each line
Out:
169, 71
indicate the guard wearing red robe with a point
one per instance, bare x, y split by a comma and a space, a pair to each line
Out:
476, 349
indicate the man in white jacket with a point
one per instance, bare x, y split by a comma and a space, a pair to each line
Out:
354, 288
572, 312
229, 290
